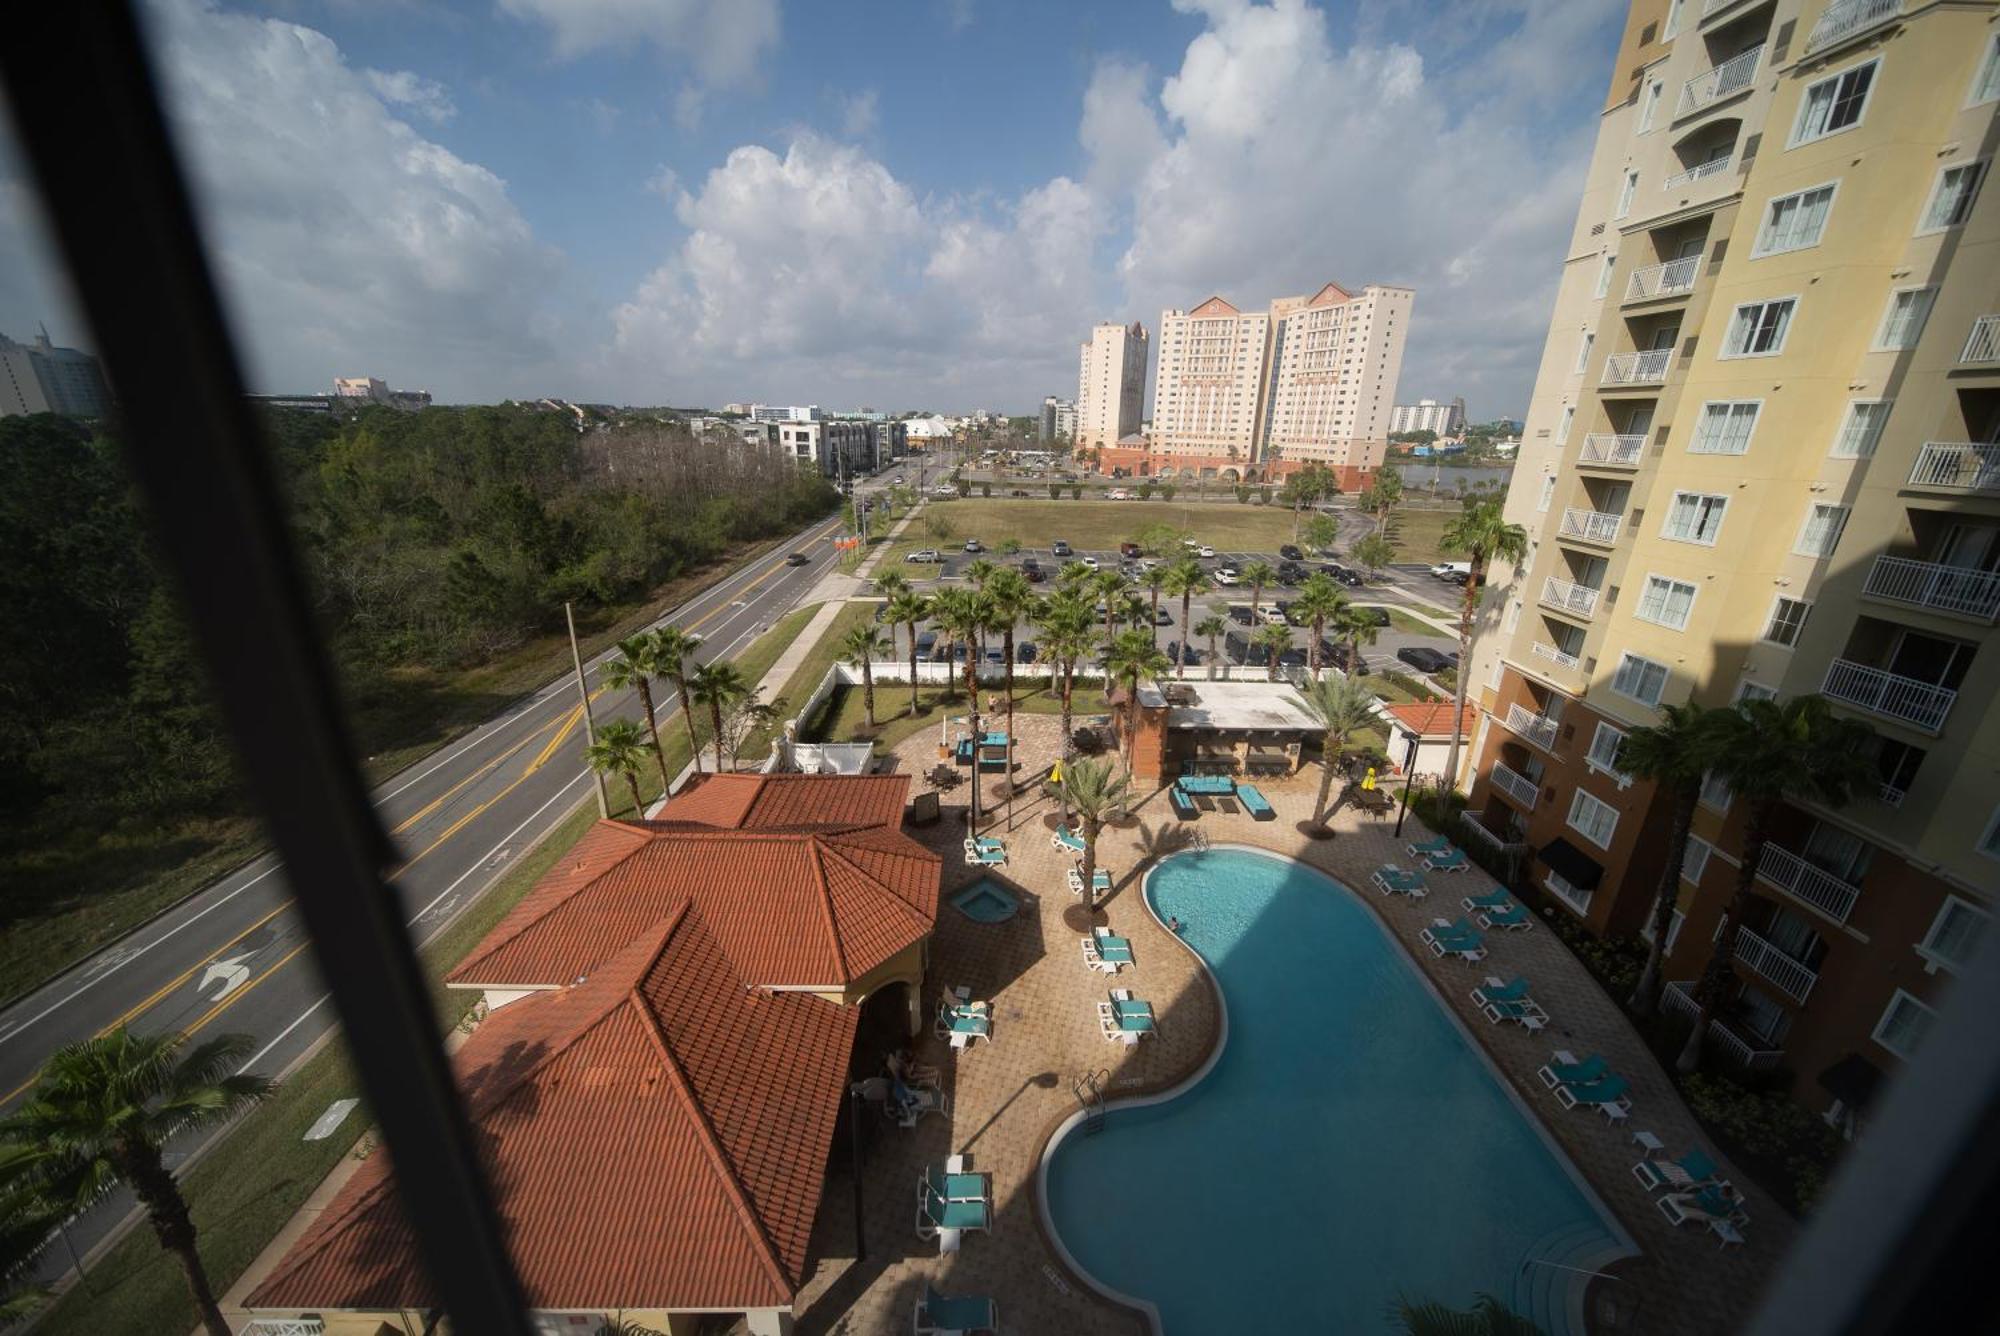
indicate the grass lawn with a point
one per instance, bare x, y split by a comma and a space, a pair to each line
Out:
1093, 525
1400, 688
841, 719
1416, 534
1403, 621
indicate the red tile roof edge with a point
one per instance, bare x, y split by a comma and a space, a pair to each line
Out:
1431, 718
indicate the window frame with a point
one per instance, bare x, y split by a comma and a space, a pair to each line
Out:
1798, 139
1565, 423
1645, 588
1606, 768
1577, 800
1702, 418
1651, 95
1846, 418
1799, 549
1987, 73
1628, 192
1979, 168
1701, 868
1988, 843
1673, 504
1935, 960
1880, 343
1604, 273
1899, 997
1723, 354
1711, 780
1771, 620
1758, 250
1628, 656
1584, 347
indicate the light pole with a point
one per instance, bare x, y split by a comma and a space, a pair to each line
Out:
1409, 774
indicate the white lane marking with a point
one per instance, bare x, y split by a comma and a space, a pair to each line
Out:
233, 973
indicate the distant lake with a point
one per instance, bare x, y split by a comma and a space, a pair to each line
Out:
1417, 475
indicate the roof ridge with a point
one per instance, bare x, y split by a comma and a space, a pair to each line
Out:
491, 944
889, 892
820, 851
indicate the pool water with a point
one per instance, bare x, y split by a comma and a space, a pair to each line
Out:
985, 901
1348, 1145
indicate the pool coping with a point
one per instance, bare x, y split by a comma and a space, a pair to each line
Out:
1579, 1284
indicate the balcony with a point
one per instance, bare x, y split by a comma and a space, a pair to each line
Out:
1983, 343
1713, 167
1812, 886
1891, 796
1641, 368
1515, 784
1555, 656
1616, 452
1671, 279
1475, 831
1590, 526
1791, 978
1847, 17
1750, 1052
1712, 85
1934, 585
1564, 596
1536, 728
1960, 466
1921, 704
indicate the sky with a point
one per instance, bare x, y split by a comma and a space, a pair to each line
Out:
919, 204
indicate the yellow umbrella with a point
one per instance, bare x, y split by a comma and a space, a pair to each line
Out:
1055, 773
1368, 780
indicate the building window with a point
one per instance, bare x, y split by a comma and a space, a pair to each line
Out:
1903, 1026
1954, 934
1758, 329
1583, 350
1952, 197
1625, 194
1603, 754
1649, 105
1604, 274
1548, 491
1748, 690
1595, 821
1640, 679
1821, 532
1695, 517
1673, 931
1715, 792
1576, 897
1565, 422
1724, 427
1695, 861
1986, 86
1989, 843
1834, 104
1793, 222
1666, 602
1673, 24
1903, 322
1788, 618
1861, 429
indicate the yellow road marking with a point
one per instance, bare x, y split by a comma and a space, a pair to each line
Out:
446, 796
237, 996
183, 977
569, 726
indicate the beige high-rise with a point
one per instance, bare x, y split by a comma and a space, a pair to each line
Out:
1110, 385
1760, 459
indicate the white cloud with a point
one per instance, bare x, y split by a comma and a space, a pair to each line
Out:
859, 114
666, 183
1120, 131
959, 14
723, 40
426, 97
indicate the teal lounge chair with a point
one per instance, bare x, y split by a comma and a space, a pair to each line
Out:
1115, 948
1393, 880
962, 1027
1564, 1069
1526, 1013
1610, 1097
1492, 900
1436, 845
985, 855
1515, 918
1065, 840
955, 1187
1692, 1170
1713, 1202
1255, 803
936, 1217
1455, 861
1451, 940
941, 1315
1493, 990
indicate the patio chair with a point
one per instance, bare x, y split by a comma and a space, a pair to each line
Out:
984, 856
1468, 946
1255, 804
1455, 861
1435, 845
1126, 1020
950, 1181
1100, 880
1494, 899
962, 1027
1514, 918
1184, 806
1393, 880
942, 1315
1515, 990
907, 1103
1526, 1014
1713, 1202
1066, 840
1610, 1097
1563, 1069
948, 1221
1692, 1170
1104, 958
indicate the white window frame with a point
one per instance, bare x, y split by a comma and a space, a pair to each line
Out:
1649, 103
1548, 493
1667, 521
1606, 810
1839, 528
1604, 275
1935, 960
1799, 138
1865, 448
1702, 419
1574, 898
1672, 25
1700, 865
1564, 423
1978, 166
1896, 1002
1666, 676
1986, 79
1583, 347
1989, 839
1628, 190
1771, 620
1784, 333
1915, 331
1751, 689
1671, 584
1715, 794
1759, 248
1602, 767
1673, 930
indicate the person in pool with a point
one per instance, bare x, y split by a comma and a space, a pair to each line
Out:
1173, 923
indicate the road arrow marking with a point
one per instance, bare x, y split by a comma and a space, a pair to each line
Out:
233, 973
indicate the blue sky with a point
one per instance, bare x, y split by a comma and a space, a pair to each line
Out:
919, 204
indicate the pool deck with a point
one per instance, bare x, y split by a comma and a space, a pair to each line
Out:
1008, 1095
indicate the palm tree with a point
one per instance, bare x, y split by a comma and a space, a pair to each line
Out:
672, 648
1067, 630
1133, 655
1487, 1317
1343, 707
1258, 573
1356, 626
1274, 640
859, 647
952, 615
1185, 578
1482, 533
891, 583
619, 750
1155, 579
1211, 627
636, 664
718, 685
1010, 598
103, 1111
1675, 755
1771, 754
964, 612
1074, 575
1319, 599
1094, 791
909, 608
1110, 588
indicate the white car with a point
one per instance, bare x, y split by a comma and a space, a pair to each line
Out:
1227, 575
1271, 616
1204, 551
1089, 561
944, 489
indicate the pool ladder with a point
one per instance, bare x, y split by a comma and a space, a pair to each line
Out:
1089, 1092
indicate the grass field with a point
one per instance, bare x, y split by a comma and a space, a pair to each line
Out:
842, 719
1416, 534
1092, 525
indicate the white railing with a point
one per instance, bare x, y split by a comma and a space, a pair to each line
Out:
1677, 997
1574, 599
1640, 368
1891, 796
1933, 584
1592, 526
1700, 171
1612, 451
1848, 17
1712, 85
1970, 466
1663, 280
1536, 728
1470, 825
1793, 979
1515, 784
1709, 8
284, 1326
1885, 693
1812, 886
1543, 650
1983, 343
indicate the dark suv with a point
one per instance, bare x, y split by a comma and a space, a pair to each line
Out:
1291, 573
1291, 553
1423, 658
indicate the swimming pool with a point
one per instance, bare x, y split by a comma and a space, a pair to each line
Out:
986, 901
1348, 1144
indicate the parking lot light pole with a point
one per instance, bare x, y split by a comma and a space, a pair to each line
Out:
1409, 774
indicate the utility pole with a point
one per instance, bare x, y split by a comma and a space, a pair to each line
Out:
589, 732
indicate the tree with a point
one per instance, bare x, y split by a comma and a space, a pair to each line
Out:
1319, 599
1185, 578
1771, 754
909, 608
891, 583
859, 647
1133, 656
1167, 490
1355, 625
672, 648
1487, 1317
635, 664
1010, 599
1273, 640
1675, 755
619, 749
1110, 587
103, 1111
1321, 532
966, 614
1160, 539
1306, 489
1482, 533
718, 685
1387, 493
1068, 633
939, 526
1374, 551
1155, 579
1259, 573
1343, 707
1094, 791
1074, 575
1211, 628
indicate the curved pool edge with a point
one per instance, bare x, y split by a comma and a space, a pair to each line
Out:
1582, 1270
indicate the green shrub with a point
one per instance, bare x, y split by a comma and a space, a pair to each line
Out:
1167, 490
1145, 491
1770, 1125
1076, 492
1055, 491
986, 489
1242, 494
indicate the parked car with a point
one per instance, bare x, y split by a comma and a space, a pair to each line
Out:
1017, 492
926, 645
1227, 576
1163, 617
1291, 573
1446, 570
1205, 552
924, 554
1128, 549
1290, 552
1276, 613
798, 559
1423, 658
1190, 657
945, 489
1033, 570
1349, 577
1090, 562
972, 545
996, 654
1241, 615
1025, 652
1059, 548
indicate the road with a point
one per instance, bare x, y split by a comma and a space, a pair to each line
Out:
233, 958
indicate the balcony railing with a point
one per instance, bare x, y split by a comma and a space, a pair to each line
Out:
1543, 650
1712, 85
1844, 19
1812, 886
1921, 703
1966, 466
1536, 728
1663, 280
1891, 795
1983, 343
1618, 452
1591, 526
1564, 596
1793, 979
1640, 368
284, 1326
1700, 171
1751, 1053
1933, 584
1710, 8
1515, 785
1477, 832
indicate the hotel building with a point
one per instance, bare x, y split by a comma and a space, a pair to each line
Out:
1110, 386
1760, 460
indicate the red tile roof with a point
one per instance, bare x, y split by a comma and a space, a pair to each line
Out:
656, 1138
751, 802
1432, 719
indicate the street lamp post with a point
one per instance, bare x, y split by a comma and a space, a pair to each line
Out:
1409, 774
